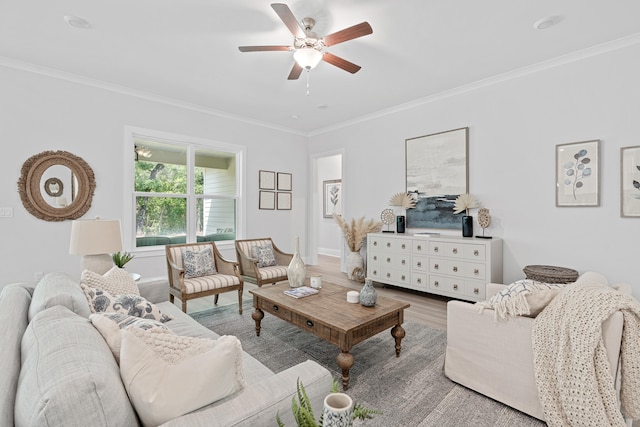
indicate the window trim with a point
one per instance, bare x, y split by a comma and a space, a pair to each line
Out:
129, 193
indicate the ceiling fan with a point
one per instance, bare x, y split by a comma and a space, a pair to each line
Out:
308, 47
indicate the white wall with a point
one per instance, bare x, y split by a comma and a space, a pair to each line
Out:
514, 128
329, 236
39, 113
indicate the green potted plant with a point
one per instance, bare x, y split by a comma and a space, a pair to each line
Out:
303, 412
121, 258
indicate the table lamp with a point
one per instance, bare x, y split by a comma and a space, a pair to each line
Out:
96, 239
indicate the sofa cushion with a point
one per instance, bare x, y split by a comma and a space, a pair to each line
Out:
169, 375
512, 301
110, 324
198, 263
134, 305
115, 281
58, 289
14, 308
68, 375
264, 254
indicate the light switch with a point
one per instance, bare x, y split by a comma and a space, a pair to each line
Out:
6, 212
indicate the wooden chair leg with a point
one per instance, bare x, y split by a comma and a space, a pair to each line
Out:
215, 299
184, 305
240, 300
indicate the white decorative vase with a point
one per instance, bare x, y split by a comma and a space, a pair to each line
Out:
337, 410
354, 260
296, 272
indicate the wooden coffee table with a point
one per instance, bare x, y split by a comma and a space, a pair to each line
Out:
330, 317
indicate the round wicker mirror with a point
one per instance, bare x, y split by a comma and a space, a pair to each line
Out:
56, 198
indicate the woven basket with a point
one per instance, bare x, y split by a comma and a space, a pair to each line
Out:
550, 274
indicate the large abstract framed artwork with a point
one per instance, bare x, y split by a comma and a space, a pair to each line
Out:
437, 170
578, 174
630, 182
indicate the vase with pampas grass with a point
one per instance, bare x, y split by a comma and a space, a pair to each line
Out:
355, 232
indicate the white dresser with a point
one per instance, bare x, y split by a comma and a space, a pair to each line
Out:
453, 266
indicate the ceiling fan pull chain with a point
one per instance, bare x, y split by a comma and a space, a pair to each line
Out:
308, 82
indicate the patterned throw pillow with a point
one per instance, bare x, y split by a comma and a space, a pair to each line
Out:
114, 281
512, 300
264, 255
110, 324
198, 263
153, 366
134, 305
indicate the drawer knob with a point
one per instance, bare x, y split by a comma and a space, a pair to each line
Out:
276, 308
419, 281
310, 323
375, 257
476, 291
476, 253
388, 259
419, 247
476, 271
375, 272
403, 278
455, 250
419, 264
455, 287
404, 262
375, 243
435, 249
388, 275
388, 244
455, 269
436, 266
436, 284
403, 246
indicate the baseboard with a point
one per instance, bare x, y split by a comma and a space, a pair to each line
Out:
329, 252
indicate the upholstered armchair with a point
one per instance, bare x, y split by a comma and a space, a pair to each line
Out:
198, 270
261, 261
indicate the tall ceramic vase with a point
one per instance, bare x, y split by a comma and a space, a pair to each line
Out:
337, 410
354, 260
296, 271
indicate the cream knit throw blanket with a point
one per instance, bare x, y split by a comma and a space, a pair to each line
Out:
575, 383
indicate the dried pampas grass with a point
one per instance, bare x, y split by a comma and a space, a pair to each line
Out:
356, 231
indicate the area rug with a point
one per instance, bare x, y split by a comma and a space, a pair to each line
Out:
411, 390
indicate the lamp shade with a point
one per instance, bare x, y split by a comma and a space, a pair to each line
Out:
307, 57
95, 237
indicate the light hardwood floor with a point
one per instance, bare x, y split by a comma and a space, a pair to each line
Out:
425, 308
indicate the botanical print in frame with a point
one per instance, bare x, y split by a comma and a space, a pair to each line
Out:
332, 200
578, 174
266, 180
284, 201
284, 181
437, 172
267, 200
630, 182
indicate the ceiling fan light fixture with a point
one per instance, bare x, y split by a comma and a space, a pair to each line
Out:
307, 57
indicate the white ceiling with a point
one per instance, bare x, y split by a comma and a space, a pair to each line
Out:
186, 50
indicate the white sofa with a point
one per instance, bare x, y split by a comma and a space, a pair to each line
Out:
57, 370
495, 358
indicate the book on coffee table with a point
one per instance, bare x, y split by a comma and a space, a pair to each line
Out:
301, 292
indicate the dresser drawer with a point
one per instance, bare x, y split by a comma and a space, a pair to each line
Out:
446, 249
393, 260
276, 310
420, 263
475, 252
389, 244
475, 271
398, 276
420, 247
419, 281
457, 288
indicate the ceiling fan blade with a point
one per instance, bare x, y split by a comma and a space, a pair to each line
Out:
340, 63
359, 30
262, 48
295, 72
289, 20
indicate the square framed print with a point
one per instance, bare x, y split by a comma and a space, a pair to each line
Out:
578, 174
284, 181
267, 200
284, 201
332, 200
630, 182
266, 180
437, 172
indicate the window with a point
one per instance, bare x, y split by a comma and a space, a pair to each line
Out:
183, 192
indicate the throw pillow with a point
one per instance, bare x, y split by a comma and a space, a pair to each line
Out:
154, 366
198, 263
114, 281
264, 255
512, 301
538, 300
110, 325
133, 305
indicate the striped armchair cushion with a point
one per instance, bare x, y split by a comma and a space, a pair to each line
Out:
267, 273
207, 283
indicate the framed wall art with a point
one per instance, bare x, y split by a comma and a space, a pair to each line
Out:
267, 200
266, 180
630, 182
578, 174
284, 181
283, 201
437, 172
332, 198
